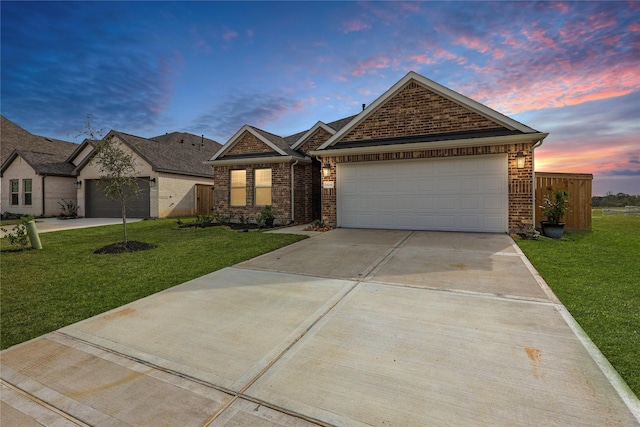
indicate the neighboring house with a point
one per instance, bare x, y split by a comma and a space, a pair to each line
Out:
170, 169
39, 172
35, 174
420, 157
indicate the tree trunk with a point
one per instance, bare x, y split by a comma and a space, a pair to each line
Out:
124, 221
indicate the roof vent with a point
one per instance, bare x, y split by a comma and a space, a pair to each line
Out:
363, 105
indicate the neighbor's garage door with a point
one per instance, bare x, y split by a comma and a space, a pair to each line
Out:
98, 206
453, 194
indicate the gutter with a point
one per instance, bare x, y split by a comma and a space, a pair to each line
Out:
293, 185
257, 160
434, 145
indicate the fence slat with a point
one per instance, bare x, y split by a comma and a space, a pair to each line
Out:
577, 185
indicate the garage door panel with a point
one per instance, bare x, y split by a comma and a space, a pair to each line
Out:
445, 185
462, 193
470, 203
99, 206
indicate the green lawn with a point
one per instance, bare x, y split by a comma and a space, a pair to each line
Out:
65, 282
597, 277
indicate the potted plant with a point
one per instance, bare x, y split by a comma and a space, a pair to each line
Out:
266, 216
554, 208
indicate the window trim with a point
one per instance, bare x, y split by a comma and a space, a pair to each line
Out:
238, 187
15, 193
256, 187
28, 201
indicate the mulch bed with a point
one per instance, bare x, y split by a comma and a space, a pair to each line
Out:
231, 225
120, 247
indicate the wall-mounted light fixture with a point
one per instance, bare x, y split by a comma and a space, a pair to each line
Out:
152, 182
326, 170
520, 160
77, 184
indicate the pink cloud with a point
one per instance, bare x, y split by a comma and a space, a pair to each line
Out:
369, 65
561, 7
634, 28
540, 38
410, 6
354, 26
472, 42
438, 55
229, 35
574, 156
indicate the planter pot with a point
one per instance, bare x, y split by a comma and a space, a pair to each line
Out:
555, 231
269, 222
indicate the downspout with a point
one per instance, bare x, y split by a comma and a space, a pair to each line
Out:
43, 193
293, 185
321, 191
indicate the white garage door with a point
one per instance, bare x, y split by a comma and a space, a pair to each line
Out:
452, 194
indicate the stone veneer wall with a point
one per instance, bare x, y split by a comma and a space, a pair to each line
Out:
521, 194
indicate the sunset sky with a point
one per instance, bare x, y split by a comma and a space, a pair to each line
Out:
571, 69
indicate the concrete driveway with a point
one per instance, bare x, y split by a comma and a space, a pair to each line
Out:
350, 327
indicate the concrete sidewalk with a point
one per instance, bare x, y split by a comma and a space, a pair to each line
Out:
350, 327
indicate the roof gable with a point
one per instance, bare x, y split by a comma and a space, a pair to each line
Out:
310, 132
41, 163
250, 140
416, 105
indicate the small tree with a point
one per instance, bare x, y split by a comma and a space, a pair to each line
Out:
118, 170
118, 175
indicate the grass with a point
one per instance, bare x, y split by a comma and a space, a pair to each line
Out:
597, 277
65, 282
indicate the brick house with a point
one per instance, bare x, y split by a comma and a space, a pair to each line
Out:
420, 157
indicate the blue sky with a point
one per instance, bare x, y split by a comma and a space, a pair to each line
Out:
571, 69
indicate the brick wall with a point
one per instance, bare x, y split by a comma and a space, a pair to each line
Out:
280, 191
416, 110
248, 143
520, 186
303, 193
314, 141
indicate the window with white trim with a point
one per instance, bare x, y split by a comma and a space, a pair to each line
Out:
263, 187
15, 192
27, 187
238, 188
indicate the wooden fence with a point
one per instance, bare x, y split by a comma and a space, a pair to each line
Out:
204, 199
578, 186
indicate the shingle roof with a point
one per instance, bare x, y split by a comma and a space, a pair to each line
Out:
166, 153
13, 137
186, 138
278, 141
339, 124
46, 163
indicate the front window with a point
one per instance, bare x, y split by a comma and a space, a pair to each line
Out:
239, 188
26, 188
263, 187
15, 191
